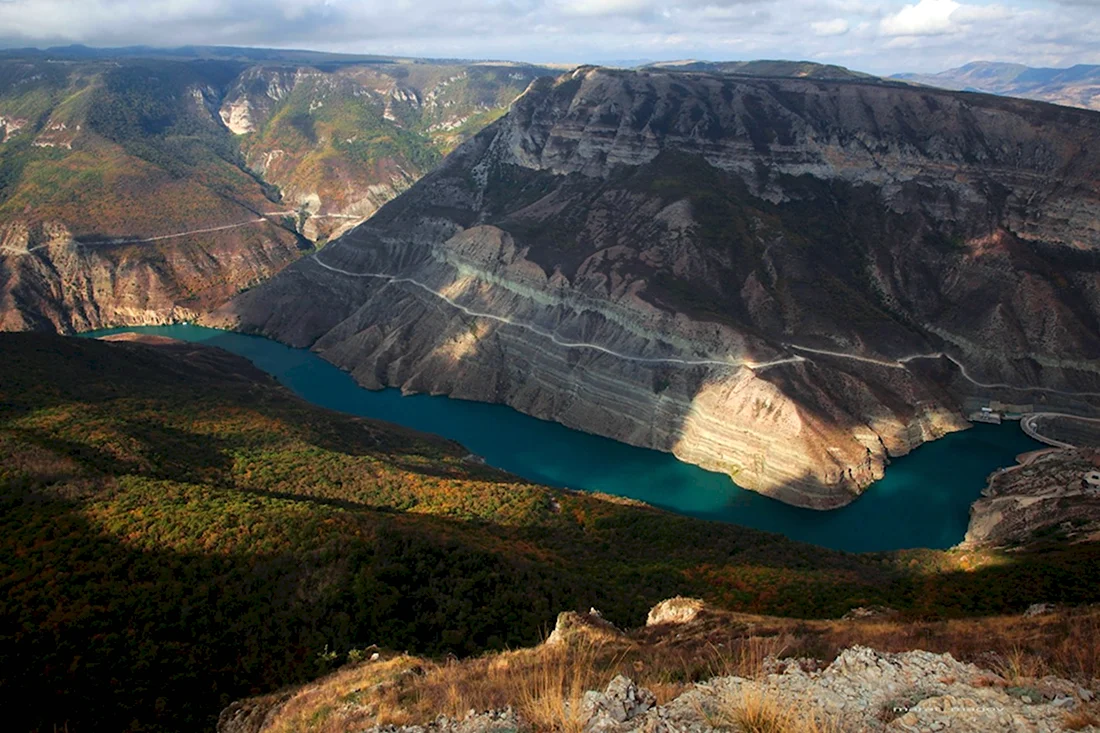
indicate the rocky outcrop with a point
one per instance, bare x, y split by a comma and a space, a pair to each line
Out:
571, 627
678, 610
49, 281
862, 690
789, 281
1043, 498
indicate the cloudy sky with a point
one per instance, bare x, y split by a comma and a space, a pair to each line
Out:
879, 36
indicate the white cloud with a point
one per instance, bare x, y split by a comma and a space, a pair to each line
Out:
834, 27
927, 17
882, 36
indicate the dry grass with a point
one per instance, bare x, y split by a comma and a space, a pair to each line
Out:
755, 709
550, 693
1017, 666
545, 684
1085, 716
1066, 644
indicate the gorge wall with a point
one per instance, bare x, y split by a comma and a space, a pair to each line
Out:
790, 281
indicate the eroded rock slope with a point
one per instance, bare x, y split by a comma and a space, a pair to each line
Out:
787, 280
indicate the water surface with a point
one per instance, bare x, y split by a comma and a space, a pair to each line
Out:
924, 501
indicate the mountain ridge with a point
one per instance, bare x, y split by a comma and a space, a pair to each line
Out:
683, 218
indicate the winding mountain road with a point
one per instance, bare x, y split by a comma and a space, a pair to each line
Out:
1027, 424
394, 280
899, 363
177, 235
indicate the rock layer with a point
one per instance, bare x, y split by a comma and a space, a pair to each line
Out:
1045, 497
789, 281
49, 281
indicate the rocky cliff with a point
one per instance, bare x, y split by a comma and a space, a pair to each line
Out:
1044, 498
50, 281
787, 280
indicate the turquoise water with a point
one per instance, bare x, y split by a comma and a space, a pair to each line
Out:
924, 500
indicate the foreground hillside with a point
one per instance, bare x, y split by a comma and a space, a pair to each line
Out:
694, 668
787, 280
140, 188
178, 531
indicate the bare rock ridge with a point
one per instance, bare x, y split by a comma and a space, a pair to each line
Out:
787, 280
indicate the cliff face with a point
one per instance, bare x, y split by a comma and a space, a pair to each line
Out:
1044, 498
51, 282
758, 275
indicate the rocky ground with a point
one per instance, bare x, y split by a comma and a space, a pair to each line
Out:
787, 690
862, 690
1043, 498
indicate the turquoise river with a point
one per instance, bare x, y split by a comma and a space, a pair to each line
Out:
924, 500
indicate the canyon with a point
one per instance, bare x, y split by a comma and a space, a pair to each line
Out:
150, 187
786, 280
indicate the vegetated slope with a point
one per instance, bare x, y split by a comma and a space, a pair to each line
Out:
97, 151
179, 531
342, 140
107, 154
760, 275
761, 67
1076, 86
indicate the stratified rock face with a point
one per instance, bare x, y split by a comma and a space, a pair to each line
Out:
49, 281
1045, 497
757, 275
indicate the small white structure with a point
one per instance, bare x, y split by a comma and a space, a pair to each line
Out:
1092, 480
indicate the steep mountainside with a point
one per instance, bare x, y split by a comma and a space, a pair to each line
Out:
341, 141
103, 167
142, 189
787, 280
178, 531
1076, 86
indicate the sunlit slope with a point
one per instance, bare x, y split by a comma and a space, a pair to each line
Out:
340, 142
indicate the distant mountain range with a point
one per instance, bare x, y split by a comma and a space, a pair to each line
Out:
765, 67
1077, 86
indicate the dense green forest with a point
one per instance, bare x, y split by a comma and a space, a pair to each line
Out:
179, 531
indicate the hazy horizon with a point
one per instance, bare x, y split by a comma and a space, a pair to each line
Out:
880, 37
